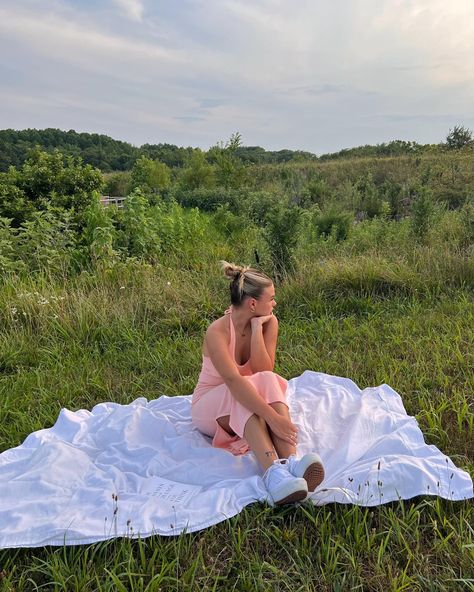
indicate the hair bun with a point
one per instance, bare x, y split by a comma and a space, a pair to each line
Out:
233, 271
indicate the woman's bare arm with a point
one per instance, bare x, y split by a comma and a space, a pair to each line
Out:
263, 345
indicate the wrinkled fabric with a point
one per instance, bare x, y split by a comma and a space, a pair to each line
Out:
59, 486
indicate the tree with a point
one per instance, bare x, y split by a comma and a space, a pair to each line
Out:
459, 137
230, 170
149, 175
198, 173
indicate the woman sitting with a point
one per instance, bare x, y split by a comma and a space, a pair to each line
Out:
239, 401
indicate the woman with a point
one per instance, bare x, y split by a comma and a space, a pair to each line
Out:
239, 401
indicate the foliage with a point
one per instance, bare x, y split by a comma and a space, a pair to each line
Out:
393, 148
98, 235
333, 222
229, 169
9, 262
197, 173
256, 205
95, 149
48, 182
137, 236
422, 212
370, 203
208, 200
281, 236
117, 184
459, 137
149, 175
227, 222
46, 241
108, 154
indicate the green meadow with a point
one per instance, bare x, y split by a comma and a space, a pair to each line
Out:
373, 260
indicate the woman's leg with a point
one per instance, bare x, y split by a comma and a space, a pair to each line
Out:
283, 448
258, 438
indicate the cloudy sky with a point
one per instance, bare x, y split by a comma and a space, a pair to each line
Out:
304, 74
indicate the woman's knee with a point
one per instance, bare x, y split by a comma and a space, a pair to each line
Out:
280, 407
254, 422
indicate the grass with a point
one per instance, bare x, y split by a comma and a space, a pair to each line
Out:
136, 330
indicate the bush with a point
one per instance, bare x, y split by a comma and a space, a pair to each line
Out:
422, 213
281, 236
208, 200
117, 184
9, 261
149, 175
333, 222
137, 236
46, 242
258, 204
369, 200
227, 222
198, 173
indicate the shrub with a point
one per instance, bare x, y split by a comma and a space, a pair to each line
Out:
227, 222
149, 175
208, 200
333, 222
281, 235
138, 237
46, 242
9, 261
198, 173
422, 212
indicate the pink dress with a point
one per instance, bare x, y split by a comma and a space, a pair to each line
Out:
212, 399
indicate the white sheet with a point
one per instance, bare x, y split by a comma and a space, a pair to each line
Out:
57, 487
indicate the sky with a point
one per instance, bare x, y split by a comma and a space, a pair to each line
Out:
303, 74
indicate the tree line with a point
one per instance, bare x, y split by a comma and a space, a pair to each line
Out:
107, 154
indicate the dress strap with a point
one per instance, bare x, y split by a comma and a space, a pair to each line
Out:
232, 334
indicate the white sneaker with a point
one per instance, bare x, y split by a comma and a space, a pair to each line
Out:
283, 487
309, 467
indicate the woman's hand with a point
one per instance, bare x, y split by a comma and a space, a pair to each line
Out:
283, 428
260, 321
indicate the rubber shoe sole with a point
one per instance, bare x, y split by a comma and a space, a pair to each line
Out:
294, 497
314, 476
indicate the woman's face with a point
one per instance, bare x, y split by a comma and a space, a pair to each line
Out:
266, 303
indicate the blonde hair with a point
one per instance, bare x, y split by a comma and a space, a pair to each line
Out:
246, 281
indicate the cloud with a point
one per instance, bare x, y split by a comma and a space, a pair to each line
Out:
133, 9
309, 75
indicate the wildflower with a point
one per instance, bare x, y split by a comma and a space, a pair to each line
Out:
168, 283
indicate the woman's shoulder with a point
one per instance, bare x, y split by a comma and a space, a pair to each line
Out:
221, 324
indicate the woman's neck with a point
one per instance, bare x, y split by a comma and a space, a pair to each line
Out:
241, 320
